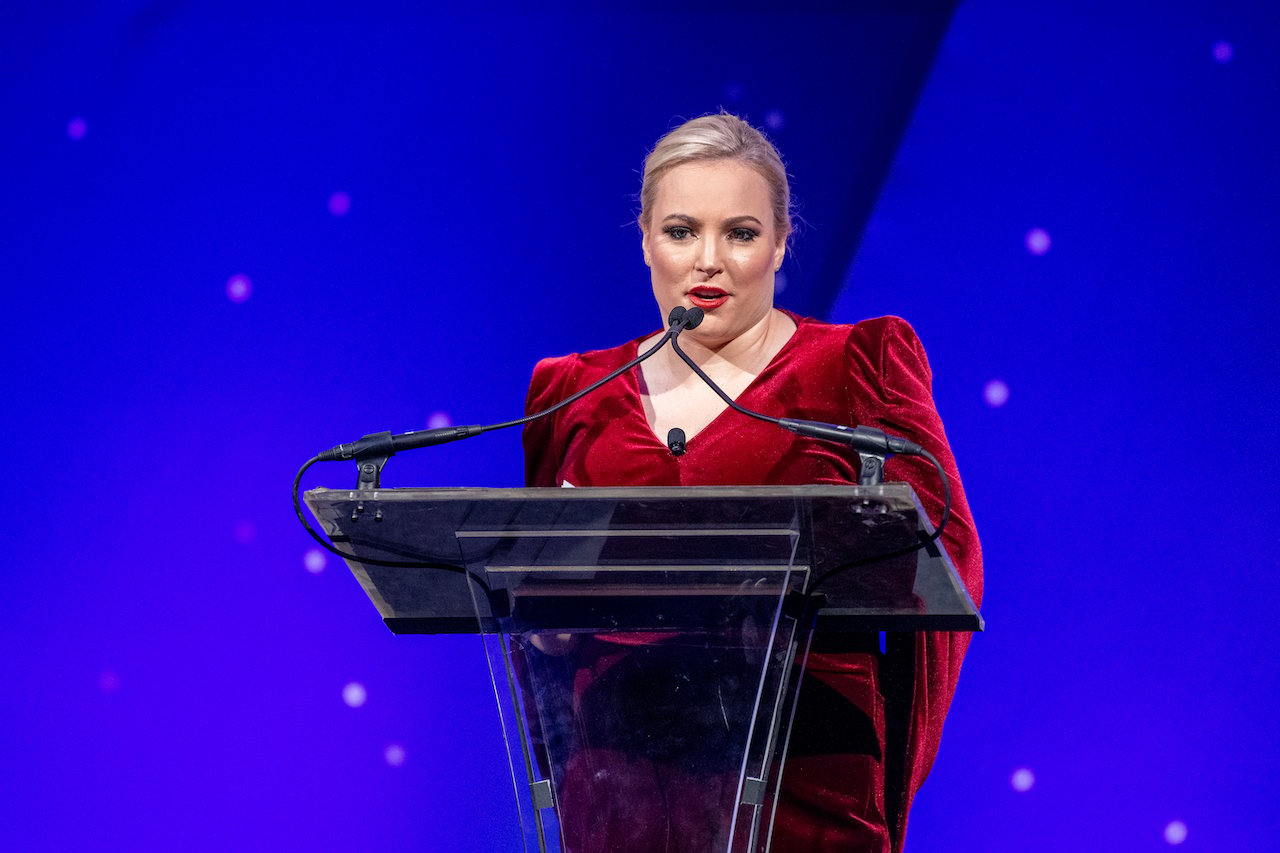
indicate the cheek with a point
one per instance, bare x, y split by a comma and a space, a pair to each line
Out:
668, 265
754, 263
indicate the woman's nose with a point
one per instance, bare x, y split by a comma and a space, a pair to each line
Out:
708, 259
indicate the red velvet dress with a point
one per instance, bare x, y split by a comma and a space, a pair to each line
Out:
868, 724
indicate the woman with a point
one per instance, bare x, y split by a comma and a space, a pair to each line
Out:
714, 221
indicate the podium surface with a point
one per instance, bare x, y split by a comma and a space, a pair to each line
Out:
544, 528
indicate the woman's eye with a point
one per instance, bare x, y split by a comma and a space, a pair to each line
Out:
742, 235
678, 232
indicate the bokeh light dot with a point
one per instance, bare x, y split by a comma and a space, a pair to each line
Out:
1022, 780
394, 754
439, 420
996, 393
779, 282
339, 203
354, 694
77, 128
1175, 832
239, 288
244, 532
1223, 51
1038, 241
774, 119
314, 560
108, 681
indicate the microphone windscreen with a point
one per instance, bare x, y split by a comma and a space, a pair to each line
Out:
692, 318
676, 442
676, 315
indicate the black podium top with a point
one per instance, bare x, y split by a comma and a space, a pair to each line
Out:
549, 547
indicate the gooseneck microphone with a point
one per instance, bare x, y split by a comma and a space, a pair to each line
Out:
860, 438
384, 444
372, 451
865, 440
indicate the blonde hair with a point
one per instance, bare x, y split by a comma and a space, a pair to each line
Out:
722, 136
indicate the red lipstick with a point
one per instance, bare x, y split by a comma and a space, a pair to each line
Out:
707, 298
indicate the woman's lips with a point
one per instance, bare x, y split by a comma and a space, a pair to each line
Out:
708, 298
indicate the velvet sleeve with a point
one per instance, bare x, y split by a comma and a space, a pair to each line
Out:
543, 450
909, 411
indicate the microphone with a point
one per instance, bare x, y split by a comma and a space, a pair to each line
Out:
675, 441
863, 439
382, 445
874, 443
690, 317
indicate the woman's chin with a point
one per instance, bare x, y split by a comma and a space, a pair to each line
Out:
707, 338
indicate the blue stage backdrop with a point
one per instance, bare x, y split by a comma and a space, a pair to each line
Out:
237, 234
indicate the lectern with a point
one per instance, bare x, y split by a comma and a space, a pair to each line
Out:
646, 644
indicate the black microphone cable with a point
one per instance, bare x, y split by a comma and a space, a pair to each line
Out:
382, 445
865, 439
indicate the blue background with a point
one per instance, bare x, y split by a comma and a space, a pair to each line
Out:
173, 673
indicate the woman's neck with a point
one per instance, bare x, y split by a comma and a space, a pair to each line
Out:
745, 355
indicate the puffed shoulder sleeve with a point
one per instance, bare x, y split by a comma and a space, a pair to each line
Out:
542, 449
907, 409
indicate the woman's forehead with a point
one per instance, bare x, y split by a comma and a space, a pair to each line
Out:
712, 185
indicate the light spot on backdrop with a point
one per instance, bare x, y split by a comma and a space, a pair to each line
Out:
1038, 241
244, 532
996, 393
354, 694
1222, 52
108, 681
239, 288
77, 128
394, 754
1175, 832
1022, 780
339, 203
314, 560
774, 120
779, 282
439, 420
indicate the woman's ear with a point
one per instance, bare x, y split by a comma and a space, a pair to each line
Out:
644, 246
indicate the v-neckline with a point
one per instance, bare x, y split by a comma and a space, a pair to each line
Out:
635, 374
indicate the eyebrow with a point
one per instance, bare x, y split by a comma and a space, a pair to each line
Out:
731, 222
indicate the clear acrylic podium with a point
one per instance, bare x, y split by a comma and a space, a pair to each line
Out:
646, 644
